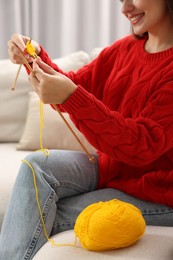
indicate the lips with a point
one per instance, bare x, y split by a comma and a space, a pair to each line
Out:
135, 18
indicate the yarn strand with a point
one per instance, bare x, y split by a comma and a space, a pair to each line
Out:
53, 243
44, 150
46, 153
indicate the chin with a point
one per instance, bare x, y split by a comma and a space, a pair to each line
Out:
139, 33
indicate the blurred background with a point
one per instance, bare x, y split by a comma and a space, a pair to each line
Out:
63, 26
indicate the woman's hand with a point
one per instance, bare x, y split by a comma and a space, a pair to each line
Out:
16, 45
52, 87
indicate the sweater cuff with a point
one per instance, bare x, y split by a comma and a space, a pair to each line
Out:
80, 98
43, 54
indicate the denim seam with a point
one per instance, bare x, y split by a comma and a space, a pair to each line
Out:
144, 212
56, 224
39, 227
73, 186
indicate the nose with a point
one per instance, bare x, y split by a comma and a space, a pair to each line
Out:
127, 6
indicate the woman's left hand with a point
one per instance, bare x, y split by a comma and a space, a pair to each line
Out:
51, 86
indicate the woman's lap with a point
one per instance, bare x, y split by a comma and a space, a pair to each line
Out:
69, 208
67, 184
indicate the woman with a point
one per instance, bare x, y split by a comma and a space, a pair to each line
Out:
123, 103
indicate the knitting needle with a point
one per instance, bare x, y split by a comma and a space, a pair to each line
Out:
20, 66
91, 158
26, 63
17, 75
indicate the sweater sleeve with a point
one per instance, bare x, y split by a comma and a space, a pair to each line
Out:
134, 141
87, 76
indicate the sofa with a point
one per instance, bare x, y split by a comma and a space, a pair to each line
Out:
19, 135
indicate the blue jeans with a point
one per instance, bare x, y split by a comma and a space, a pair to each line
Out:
67, 184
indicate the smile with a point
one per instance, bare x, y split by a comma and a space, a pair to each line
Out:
135, 19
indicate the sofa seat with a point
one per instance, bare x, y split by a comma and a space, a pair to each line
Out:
156, 244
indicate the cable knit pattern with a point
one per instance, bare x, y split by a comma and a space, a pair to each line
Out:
124, 107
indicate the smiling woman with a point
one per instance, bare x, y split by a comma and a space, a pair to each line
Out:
158, 28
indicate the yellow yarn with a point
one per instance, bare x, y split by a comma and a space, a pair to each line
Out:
109, 225
44, 150
30, 49
53, 243
37, 197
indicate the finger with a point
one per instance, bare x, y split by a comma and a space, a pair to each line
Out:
33, 80
19, 42
14, 53
38, 72
44, 67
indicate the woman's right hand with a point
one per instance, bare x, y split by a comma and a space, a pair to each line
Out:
16, 45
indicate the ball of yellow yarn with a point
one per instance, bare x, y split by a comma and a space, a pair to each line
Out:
109, 225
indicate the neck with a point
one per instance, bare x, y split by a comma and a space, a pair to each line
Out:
154, 45
160, 39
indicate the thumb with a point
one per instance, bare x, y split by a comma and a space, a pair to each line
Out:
38, 72
44, 67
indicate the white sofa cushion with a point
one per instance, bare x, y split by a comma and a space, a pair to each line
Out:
156, 244
13, 104
9, 165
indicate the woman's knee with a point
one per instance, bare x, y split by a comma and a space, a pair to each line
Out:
28, 168
35, 158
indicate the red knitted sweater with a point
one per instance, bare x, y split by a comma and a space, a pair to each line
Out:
124, 107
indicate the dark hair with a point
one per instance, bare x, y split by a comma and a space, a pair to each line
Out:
169, 4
